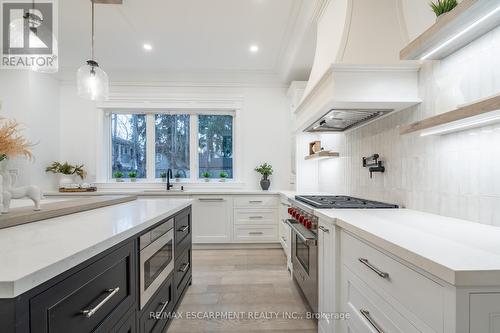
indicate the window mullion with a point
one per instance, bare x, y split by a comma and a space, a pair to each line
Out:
193, 144
150, 147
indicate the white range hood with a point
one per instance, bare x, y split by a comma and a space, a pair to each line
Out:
357, 75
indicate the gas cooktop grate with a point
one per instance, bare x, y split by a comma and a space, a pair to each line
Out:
340, 201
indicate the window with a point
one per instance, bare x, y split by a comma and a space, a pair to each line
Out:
172, 145
189, 143
128, 144
215, 145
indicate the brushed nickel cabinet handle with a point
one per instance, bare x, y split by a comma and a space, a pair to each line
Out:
255, 217
380, 273
324, 229
255, 201
210, 199
184, 268
372, 322
256, 233
183, 228
90, 312
283, 238
163, 307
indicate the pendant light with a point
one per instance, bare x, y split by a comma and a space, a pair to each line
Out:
92, 81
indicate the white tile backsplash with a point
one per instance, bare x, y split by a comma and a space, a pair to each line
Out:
457, 174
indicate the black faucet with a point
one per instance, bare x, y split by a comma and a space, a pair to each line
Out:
169, 176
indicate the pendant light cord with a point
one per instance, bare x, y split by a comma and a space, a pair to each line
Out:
92, 41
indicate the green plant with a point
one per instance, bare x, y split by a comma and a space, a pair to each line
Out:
223, 174
132, 174
67, 169
265, 170
177, 175
206, 174
163, 174
118, 174
440, 7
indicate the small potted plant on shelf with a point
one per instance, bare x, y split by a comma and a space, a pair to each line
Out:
118, 175
163, 176
206, 175
265, 170
223, 175
66, 172
441, 7
177, 176
133, 176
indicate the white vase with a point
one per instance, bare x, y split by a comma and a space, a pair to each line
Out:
66, 180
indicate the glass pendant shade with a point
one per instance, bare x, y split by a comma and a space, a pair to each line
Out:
92, 82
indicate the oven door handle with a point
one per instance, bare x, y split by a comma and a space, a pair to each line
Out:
309, 241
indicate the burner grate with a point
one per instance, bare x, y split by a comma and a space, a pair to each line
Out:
339, 202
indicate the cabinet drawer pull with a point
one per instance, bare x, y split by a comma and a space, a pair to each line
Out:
380, 273
184, 268
255, 217
372, 322
256, 233
210, 199
283, 238
255, 201
184, 228
164, 306
90, 312
324, 229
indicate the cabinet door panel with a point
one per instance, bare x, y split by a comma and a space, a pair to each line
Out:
485, 313
212, 219
326, 276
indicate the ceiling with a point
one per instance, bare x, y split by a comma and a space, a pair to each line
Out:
186, 35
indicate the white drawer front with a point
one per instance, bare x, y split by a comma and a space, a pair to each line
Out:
242, 216
256, 201
420, 295
369, 312
255, 233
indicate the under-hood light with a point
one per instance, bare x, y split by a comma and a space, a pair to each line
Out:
460, 125
458, 35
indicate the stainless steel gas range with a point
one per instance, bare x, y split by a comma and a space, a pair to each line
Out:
304, 227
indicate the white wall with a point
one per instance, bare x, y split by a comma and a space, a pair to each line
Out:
265, 126
455, 175
33, 100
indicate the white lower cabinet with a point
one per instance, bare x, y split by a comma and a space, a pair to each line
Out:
212, 219
485, 313
327, 280
285, 232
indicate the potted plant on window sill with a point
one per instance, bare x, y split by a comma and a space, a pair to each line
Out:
223, 175
133, 176
265, 170
177, 176
118, 175
206, 176
163, 176
66, 172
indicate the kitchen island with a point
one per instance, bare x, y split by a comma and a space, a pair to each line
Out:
81, 272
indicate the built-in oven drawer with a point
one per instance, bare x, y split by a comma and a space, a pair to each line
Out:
182, 271
155, 315
91, 300
182, 231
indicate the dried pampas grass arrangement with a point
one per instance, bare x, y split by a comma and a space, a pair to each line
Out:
12, 144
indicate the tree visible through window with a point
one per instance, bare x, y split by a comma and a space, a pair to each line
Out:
172, 144
128, 141
215, 145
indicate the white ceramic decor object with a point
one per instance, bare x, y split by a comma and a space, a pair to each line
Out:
9, 192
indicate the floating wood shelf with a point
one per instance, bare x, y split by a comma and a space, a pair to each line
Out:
470, 110
322, 154
468, 21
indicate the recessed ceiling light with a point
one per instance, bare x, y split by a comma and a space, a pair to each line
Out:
147, 47
254, 48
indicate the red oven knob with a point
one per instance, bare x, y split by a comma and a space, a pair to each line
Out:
294, 214
308, 224
301, 219
290, 210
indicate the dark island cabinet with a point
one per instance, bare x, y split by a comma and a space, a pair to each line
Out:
101, 295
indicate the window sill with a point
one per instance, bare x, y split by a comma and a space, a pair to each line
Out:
159, 185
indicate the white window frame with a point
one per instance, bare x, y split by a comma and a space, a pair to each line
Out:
104, 172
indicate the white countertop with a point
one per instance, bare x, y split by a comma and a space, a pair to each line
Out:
156, 193
459, 252
36, 252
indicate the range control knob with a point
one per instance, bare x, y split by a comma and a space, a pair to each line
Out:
301, 219
290, 210
308, 224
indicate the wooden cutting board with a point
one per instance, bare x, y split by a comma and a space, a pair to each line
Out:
23, 215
